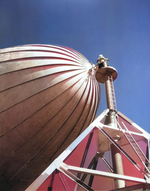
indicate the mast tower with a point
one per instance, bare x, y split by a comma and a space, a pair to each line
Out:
106, 74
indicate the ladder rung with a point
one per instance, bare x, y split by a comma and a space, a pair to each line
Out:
129, 138
112, 92
138, 151
135, 147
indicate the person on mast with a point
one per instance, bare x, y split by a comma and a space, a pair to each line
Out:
101, 61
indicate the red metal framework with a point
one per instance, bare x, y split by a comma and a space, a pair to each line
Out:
83, 167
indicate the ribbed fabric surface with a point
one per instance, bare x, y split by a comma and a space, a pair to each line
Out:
48, 96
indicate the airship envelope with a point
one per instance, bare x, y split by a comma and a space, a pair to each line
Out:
48, 96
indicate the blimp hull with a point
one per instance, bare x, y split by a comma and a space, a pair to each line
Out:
48, 96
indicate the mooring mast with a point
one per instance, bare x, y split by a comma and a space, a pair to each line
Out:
107, 74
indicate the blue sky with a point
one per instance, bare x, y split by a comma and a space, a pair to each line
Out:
118, 29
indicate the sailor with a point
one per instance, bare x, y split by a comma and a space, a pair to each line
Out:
101, 61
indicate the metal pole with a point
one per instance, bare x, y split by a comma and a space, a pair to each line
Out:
117, 166
108, 94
